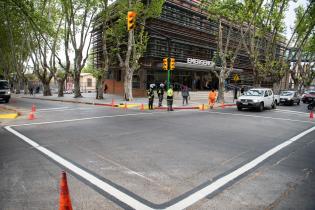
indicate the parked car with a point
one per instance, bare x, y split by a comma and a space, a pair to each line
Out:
5, 93
257, 98
289, 97
308, 96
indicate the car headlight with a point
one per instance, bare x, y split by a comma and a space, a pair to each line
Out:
255, 100
8, 92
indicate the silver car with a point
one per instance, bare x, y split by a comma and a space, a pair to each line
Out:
289, 97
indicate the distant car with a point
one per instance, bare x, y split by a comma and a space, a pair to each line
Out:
308, 96
5, 93
289, 97
257, 98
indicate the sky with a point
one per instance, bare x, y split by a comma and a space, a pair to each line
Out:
290, 16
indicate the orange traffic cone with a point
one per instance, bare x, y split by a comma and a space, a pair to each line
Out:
142, 107
202, 107
222, 105
64, 202
113, 103
311, 115
33, 108
125, 106
31, 116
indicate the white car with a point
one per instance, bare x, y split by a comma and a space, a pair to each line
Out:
5, 93
289, 97
257, 98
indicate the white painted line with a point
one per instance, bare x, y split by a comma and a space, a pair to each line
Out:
195, 197
256, 116
83, 119
85, 175
290, 111
65, 107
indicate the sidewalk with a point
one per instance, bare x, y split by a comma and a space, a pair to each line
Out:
196, 100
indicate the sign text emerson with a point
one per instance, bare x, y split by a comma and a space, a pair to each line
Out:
200, 62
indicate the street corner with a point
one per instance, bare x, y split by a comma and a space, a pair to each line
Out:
7, 112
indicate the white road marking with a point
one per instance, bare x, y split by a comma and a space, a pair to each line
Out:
65, 107
85, 175
195, 197
290, 111
132, 202
255, 116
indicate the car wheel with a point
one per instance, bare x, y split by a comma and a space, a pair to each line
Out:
261, 107
239, 108
291, 103
298, 103
274, 106
6, 100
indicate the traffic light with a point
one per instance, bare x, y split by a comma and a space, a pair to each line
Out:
172, 66
131, 20
165, 64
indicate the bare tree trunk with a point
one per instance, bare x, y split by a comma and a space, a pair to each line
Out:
76, 80
99, 88
61, 85
25, 87
221, 88
46, 91
17, 87
128, 85
296, 85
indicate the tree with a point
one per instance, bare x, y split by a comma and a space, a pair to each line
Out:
79, 15
129, 53
302, 73
261, 40
228, 14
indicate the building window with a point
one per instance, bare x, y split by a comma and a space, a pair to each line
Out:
89, 82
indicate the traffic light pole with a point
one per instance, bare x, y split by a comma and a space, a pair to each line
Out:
169, 62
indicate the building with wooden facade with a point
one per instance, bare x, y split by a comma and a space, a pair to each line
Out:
193, 45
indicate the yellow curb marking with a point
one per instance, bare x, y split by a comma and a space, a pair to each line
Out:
8, 116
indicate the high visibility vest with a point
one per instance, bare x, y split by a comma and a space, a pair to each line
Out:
212, 95
170, 92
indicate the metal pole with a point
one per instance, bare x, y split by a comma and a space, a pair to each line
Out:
169, 62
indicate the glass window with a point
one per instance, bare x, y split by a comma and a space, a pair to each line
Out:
89, 82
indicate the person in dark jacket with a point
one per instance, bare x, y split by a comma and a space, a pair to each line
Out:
160, 93
185, 94
151, 96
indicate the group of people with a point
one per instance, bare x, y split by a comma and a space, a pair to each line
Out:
33, 90
212, 97
160, 93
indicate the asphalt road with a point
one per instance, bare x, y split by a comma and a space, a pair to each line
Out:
190, 159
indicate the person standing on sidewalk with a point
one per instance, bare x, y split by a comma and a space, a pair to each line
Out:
169, 98
185, 94
160, 93
151, 96
212, 97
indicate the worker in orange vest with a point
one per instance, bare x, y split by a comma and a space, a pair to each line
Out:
212, 98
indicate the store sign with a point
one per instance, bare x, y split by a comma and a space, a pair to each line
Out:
199, 62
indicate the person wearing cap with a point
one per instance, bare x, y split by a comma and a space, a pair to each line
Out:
160, 93
169, 98
150, 93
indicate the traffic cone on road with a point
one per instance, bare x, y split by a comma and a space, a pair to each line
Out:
33, 108
31, 116
311, 115
142, 107
202, 107
65, 201
126, 107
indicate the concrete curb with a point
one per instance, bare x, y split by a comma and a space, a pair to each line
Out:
11, 115
122, 105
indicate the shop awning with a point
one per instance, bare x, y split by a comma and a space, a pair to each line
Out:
197, 67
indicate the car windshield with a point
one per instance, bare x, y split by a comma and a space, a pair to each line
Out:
254, 93
286, 93
312, 92
4, 85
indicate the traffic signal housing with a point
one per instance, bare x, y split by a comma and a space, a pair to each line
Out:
172, 65
131, 20
165, 64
